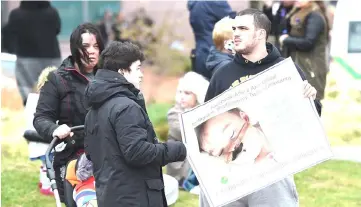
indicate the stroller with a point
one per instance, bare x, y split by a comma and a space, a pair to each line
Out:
70, 180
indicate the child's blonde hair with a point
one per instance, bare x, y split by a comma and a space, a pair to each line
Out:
194, 83
222, 31
43, 77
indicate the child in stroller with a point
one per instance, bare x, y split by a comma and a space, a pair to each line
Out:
80, 183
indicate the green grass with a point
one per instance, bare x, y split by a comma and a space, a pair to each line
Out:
330, 184
157, 112
158, 115
341, 114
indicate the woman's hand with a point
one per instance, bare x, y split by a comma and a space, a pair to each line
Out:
63, 131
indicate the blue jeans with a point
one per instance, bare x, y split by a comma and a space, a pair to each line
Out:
190, 181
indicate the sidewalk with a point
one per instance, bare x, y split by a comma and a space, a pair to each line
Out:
350, 153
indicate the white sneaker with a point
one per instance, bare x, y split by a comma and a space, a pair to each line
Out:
45, 183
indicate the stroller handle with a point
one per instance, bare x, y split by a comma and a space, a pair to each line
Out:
49, 166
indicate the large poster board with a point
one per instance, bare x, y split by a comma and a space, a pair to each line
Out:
254, 135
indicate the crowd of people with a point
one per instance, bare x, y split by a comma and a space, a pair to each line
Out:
119, 158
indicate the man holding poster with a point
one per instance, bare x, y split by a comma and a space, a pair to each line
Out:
254, 55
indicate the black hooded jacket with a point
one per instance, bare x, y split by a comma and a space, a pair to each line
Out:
121, 142
240, 69
61, 99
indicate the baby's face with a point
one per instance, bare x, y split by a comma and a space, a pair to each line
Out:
223, 134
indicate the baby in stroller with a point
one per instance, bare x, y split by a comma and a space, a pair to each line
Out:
79, 174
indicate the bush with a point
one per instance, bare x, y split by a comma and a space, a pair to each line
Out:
156, 43
158, 116
162, 131
168, 61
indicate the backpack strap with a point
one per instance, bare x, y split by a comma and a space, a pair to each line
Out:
64, 93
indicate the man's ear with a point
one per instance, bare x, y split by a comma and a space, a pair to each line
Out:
262, 34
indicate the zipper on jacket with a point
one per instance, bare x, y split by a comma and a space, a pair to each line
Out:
72, 69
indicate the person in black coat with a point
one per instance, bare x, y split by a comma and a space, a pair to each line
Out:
61, 101
278, 18
119, 137
31, 34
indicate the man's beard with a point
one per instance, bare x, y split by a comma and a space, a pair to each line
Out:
248, 49
245, 51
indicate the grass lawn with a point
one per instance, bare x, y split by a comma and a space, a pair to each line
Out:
331, 184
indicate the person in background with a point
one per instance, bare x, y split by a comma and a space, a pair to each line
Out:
36, 149
220, 54
31, 34
119, 25
61, 102
203, 17
188, 96
307, 41
223, 50
105, 27
276, 12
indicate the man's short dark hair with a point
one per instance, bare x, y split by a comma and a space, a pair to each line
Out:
260, 19
120, 55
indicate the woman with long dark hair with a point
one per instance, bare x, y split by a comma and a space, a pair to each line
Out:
61, 101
